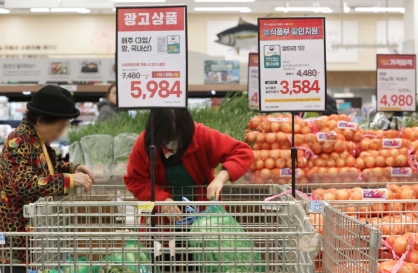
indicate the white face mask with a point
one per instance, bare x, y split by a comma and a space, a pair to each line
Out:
172, 145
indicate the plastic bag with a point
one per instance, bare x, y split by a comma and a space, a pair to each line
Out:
80, 268
236, 258
128, 257
122, 146
76, 153
98, 154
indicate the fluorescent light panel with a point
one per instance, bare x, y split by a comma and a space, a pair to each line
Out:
39, 9
79, 10
239, 9
304, 9
4, 11
379, 9
222, 1
138, 1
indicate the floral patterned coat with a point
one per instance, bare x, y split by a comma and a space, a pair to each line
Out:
24, 177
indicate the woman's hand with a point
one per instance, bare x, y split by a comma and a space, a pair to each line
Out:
82, 180
171, 210
215, 187
85, 170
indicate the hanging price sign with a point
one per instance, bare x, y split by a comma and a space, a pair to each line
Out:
292, 64
253, 101
396, 82
151, 57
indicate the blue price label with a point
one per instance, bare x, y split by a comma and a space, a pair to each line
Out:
316, 206
2, 238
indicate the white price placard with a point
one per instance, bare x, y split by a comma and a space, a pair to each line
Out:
151, 57
396, 82
292, 64
253, 81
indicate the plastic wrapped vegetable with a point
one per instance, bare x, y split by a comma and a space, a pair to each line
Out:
80, 268
98, 153
122, 146
129, 259
76, 153
230, 253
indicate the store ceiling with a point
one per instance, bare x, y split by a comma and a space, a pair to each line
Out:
266, 7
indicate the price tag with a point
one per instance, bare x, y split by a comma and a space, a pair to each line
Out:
2, 238
151, 57
401, 172
146, 206
375, 194
316, 206
292, 64
396, 82
253, 102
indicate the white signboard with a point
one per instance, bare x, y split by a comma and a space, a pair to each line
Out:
57, 70
292, 64
396, 82
253, 101
152, 57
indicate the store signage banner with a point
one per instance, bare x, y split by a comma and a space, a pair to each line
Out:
152, 57
253, 102
57, 70
221, 72
292, 64
396, 82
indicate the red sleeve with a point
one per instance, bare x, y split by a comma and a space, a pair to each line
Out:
236, 156
137, 178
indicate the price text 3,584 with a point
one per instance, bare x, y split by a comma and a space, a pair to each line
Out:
299, 86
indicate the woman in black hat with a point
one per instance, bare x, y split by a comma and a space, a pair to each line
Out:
29, 169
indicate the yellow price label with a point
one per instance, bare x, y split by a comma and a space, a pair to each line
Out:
147, 206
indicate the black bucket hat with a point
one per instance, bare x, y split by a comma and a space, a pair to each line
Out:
53, 101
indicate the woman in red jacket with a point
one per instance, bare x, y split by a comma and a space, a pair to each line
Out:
187, 153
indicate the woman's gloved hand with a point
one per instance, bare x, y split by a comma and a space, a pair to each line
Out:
82, 180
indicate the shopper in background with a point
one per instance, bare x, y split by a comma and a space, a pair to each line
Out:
331, 105
107, 107
29, 168
187, 153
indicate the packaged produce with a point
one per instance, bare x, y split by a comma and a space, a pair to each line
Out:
122, 146
76, 153
98, 154
388, 266
217, 220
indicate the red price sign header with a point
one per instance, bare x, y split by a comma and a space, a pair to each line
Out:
395, 61
151, 19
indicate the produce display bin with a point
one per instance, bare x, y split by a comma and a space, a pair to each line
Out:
252, 236
349, 245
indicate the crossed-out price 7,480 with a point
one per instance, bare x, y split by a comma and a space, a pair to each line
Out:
299, 86
162, 89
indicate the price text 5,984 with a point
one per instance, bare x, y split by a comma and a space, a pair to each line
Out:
162, 89
299, 87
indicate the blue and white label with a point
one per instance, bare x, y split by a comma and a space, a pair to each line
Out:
316, 206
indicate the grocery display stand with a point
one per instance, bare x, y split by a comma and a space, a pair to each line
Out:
88, 232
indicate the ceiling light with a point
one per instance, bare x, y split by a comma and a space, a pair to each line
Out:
4, 11
379, 9
346, 8
39, 9
239, 9
137, 1
222, 1
79, 10
304, 9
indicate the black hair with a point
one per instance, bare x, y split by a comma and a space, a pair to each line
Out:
110, 89
33, 118
170, 124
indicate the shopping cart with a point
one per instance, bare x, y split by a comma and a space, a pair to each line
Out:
108, 233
